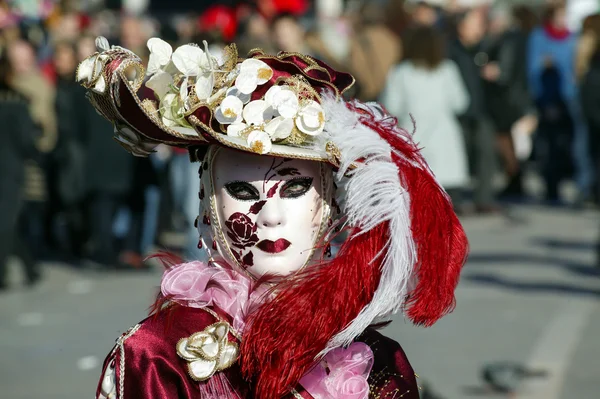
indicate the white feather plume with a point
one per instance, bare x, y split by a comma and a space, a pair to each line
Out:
374, 194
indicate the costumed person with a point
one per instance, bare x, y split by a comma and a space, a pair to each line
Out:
271, 314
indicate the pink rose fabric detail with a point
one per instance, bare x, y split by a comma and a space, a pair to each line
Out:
198, 285
342, 374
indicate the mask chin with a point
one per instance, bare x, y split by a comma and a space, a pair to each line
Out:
261, 215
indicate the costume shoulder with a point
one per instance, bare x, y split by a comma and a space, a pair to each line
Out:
391, 375
144, 363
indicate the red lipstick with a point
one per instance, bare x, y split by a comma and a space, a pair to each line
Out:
274, 247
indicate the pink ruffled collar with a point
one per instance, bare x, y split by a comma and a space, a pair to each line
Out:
343, 372
199, 285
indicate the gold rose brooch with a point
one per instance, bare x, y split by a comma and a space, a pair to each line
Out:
208, 351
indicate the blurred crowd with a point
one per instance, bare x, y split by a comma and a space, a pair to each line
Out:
488, 88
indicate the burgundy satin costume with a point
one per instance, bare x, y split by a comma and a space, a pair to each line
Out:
147, 365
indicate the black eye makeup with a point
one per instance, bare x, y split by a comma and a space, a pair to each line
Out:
242, 191
295, 188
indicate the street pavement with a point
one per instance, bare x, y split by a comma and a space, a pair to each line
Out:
529, 294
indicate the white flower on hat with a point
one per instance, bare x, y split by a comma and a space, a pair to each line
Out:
102, 44
193, 62
253, 73
237, 125
279, 128
309, 118
258, 112
255, 113
160, 55
172, 111
161, 82
259, 142
190, 60
230, 110
284, 100
234, 91
167, 107
235, 129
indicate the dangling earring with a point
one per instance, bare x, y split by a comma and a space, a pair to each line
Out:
196, 221
328, 250
214, 246
206, 220
200, 244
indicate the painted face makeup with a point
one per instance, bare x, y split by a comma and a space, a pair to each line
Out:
267, 214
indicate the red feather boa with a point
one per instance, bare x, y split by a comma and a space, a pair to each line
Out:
287, 334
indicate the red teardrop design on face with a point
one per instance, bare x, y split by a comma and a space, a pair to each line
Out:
199, 244
214, 245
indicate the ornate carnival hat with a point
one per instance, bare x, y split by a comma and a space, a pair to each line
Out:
264, 104
406, 246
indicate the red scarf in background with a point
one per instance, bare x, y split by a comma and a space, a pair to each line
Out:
556, 33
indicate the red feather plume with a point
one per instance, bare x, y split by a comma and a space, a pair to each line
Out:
286, 335
441, 242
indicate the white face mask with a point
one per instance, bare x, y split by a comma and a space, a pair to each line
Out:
265, 215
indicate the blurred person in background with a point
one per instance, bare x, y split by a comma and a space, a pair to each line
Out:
426, 83
135, 31
424, 13
253, 32
18, 135
70, 150
590, 90
397, 17
30, 82
288, 34
588, 73
506, 89
331, 33
552, 49
85, 46
587, 44
555, 133
182, 28
374, 49
465, 51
